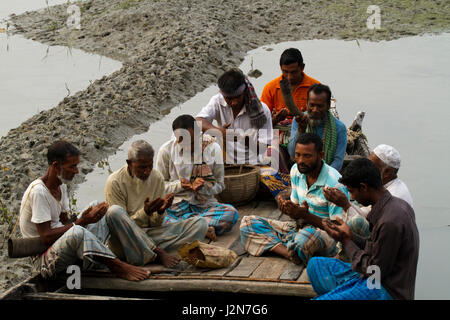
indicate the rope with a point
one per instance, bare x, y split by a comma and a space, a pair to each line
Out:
329, 137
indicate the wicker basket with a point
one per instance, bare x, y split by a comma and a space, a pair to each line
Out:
241, 184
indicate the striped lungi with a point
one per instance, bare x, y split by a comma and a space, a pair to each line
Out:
259, 235
221, 216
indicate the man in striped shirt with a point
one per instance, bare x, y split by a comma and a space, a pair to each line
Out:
303, 236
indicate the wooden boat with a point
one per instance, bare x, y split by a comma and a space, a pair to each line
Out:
267, 275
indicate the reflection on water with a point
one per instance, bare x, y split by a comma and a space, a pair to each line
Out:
8, 7
36, 77
402, 86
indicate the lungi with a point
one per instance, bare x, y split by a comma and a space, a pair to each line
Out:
221, 216
259, 235
115, 235
333, 279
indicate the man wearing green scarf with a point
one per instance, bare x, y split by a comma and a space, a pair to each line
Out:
318, 119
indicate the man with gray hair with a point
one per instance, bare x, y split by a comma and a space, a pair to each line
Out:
140, 191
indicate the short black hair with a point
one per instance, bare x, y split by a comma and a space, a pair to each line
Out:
319, 88
60, 150
361, 170
309, 137
291, 55
185, 121
231, 80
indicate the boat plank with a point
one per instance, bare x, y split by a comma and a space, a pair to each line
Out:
271, 268
223, 271
229, 239
292, 272
238, 247
303, 277
67, 296
266, 209
246, 267
211, 285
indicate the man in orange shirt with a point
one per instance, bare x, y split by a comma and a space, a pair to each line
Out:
292, 66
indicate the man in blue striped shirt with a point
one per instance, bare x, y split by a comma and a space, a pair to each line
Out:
303, 236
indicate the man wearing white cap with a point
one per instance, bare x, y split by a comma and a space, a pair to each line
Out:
387, 159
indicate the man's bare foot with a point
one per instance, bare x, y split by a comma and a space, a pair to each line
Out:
127, 271
167, 260
211, 233
293, 256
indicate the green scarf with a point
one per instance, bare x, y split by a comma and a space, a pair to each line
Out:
329, 137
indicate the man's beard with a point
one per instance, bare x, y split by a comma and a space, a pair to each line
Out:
314, 122
305, 169
63, 180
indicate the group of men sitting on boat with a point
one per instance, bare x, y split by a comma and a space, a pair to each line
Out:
150, 211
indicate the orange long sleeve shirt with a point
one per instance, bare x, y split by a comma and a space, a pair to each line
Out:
272, 97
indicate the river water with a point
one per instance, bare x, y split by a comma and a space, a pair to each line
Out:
36, 77
403, 86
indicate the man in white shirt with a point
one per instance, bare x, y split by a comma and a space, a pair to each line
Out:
387, 159
192, 166
44, 213
239, 113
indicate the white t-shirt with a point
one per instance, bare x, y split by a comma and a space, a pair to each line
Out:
217, 109
38, 206
399, 189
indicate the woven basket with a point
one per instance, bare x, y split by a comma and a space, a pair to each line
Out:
241, 184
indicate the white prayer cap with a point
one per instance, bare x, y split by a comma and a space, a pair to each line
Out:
389, 155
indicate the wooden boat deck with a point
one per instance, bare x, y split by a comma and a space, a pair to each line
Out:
270, 275
266, 275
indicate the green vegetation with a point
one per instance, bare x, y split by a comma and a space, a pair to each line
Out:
418, 17
73, 210
5, 216
104, 164
53, 25
127, 4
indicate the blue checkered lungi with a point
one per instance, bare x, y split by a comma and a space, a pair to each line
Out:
221, 216
333, 279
